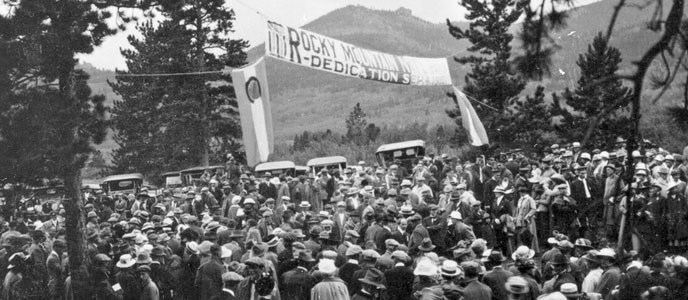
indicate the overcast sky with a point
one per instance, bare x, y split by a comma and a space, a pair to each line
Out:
251, 25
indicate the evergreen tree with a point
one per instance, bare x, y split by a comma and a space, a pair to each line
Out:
531, 121
50, 120
597, 103
491, 79
356, 124
173, 122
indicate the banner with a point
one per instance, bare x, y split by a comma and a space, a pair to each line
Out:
470, 120
253, 98
319, 52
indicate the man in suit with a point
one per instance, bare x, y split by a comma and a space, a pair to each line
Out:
418, 234
474, 290
298, 282
399, 279
437, 228
584, 191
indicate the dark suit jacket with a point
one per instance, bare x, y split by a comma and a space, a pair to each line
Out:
495, 279
297, 285
437, 230
476, 290
578, 193
399, 283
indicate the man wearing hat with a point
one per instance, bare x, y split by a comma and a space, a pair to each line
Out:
102, 288
368, 261
347, 270
418, 234
584, 191
372, 287
437, 228
459, 233
55, 268
497, 276
331, 287
399, 279
148, 291
209, 275
474, 289
230, 281
298, 282
561, 272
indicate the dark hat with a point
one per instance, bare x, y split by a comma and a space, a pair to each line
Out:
426, 245
373, 277
102, 258
306, 255
158, 251
496, 256
559, 259
254, 262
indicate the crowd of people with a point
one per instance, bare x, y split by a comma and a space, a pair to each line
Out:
563, 224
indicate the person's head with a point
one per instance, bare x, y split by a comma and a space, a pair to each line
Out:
254, 267
559, 264
403, 223
434, 210
143, 273
59, 246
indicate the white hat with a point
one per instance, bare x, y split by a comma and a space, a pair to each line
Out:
425, 267
607, 252
659, 157
226, 252
455, 215
576, 145
406, 182
636, 154
125, 261
517, 285
327, 266
523, 252
236, 199
604, 155
450, 268
585, 155
249, 200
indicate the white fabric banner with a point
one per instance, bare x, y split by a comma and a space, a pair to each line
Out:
319, 52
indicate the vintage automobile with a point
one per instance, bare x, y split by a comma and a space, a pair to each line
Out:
406, 152
276, 168
331, 163
123, 183
189, 175
172, 179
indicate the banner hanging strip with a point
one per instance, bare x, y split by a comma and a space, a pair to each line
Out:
319, 52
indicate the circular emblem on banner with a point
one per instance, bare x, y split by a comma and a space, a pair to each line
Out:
253, 89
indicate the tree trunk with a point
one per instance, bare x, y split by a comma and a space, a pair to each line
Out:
74, 227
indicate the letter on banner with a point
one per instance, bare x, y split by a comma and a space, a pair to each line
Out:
253, 98
319, 52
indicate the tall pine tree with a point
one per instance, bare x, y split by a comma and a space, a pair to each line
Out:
597, 103
50, 120
356, 125
491, 79
172, 122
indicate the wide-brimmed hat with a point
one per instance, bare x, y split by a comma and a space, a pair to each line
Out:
522, 252
456, 215
495, 256
425, 267
450, 268
426, 245
143, 258
607, 252
327, 266
373, 277
517, 285
583, 243
125, 261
